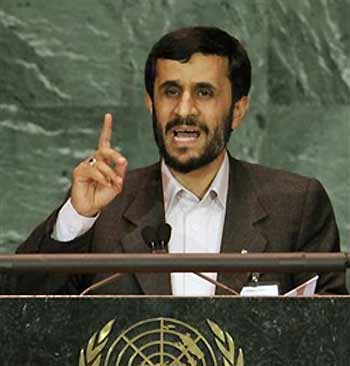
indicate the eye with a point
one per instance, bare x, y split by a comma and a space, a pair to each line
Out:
171, 91
205, 92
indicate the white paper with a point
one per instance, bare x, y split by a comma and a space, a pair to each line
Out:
305, 289
260, 290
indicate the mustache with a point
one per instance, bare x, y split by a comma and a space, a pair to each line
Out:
187, 121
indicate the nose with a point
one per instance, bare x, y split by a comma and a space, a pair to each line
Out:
186, 106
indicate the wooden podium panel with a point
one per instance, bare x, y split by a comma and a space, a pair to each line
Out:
147, 331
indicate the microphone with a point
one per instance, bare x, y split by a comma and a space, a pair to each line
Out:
150, 236
157, 238
164, 233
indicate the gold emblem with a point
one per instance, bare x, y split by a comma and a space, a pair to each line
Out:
160, 342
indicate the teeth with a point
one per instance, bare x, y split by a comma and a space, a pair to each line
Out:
186, 133
185, 138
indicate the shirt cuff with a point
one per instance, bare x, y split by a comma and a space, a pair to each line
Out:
69, 224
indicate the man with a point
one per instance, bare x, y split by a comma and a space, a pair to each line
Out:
197, 82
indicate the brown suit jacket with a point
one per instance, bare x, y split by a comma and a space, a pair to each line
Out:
267, 211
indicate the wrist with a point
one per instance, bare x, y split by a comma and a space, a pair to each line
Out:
82, 212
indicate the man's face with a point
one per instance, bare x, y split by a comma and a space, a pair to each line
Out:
192, 110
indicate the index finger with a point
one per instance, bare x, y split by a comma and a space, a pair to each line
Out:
106, 132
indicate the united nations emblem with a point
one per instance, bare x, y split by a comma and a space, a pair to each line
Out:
160, 342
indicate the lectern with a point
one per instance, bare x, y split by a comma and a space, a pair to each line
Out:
166, 330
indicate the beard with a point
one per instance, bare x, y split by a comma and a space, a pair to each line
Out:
217, 139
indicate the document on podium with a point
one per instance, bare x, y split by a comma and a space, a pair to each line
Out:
305, 289
271, 289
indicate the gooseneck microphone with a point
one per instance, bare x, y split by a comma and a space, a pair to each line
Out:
157, 240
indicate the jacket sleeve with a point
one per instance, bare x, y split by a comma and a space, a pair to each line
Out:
40, 241
319, 233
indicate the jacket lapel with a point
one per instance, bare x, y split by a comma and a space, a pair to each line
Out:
241, 231
147, 209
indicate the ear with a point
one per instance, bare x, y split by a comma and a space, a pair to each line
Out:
148, 103
241, 108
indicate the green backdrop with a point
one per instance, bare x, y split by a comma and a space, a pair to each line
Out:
63, 64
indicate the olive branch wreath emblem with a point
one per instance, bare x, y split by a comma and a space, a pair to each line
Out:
92, 354
226, 346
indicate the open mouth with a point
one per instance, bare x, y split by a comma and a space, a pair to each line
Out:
185, 133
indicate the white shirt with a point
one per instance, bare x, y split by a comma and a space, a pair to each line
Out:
197, 225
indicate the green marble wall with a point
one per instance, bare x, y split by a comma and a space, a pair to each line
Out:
63, 64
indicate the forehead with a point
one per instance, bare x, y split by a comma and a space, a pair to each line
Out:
199, 68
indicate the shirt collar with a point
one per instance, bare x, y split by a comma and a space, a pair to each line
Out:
219, 186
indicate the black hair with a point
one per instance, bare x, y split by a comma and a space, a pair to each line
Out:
181, 44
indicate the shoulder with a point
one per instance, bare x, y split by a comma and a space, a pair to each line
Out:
264, 177
276, 185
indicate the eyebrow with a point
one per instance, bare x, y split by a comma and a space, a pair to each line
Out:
200, 84
204, 84
169, 83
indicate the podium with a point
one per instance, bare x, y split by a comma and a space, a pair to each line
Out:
174, 331
135, 331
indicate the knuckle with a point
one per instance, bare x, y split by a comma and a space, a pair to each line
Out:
77, 170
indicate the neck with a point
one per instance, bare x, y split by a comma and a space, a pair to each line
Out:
198, 181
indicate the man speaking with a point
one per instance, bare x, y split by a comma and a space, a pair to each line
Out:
197, 83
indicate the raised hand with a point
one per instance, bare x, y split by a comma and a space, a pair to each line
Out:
96, 181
